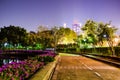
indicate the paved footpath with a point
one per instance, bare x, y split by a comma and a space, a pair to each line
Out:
82, 68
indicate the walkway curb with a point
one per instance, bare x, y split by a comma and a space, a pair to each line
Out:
103, 60
47, 71
49, 74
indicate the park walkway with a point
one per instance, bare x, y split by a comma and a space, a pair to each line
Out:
75, 67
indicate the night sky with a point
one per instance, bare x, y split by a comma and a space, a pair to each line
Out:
32, 13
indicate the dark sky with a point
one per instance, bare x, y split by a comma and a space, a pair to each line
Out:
32, 13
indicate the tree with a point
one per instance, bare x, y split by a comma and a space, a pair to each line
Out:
32, 38
45, 38
90, 31
13, 35
42, 28
79, 40
106, 32
55, 35
65, 35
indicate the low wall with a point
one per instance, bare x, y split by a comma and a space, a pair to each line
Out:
46, 72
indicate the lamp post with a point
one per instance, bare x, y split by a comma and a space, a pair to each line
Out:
55, 41
55, 30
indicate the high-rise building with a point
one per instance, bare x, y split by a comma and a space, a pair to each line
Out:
76, 26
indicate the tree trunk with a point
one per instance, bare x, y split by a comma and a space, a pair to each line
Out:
111, 47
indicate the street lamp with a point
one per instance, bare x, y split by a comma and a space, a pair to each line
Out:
55, 37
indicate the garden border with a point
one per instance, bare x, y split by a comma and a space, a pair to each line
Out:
47, 75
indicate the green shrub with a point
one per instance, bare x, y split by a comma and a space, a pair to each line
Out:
48, 59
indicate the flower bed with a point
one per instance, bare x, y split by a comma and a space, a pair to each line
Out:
22, 54
24, 69
23, 51
21, 70
46, 58
0, 51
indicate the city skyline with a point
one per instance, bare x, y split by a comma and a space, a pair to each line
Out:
30, 14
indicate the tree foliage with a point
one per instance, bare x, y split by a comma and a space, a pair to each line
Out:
50, 38
13, 35
107, 32
89, 32
94, 33
45, 38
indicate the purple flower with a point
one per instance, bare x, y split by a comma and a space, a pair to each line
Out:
23, 69
1, 69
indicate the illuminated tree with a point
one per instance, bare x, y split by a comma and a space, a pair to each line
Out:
90, 32
55, 35
65, 35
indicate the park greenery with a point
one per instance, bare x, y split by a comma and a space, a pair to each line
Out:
93, 35
14, 37
16, 43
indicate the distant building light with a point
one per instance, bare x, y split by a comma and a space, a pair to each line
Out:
64, 25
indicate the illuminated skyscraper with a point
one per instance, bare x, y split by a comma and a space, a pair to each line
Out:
76, 27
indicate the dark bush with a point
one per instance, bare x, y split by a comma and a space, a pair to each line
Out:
98, 50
